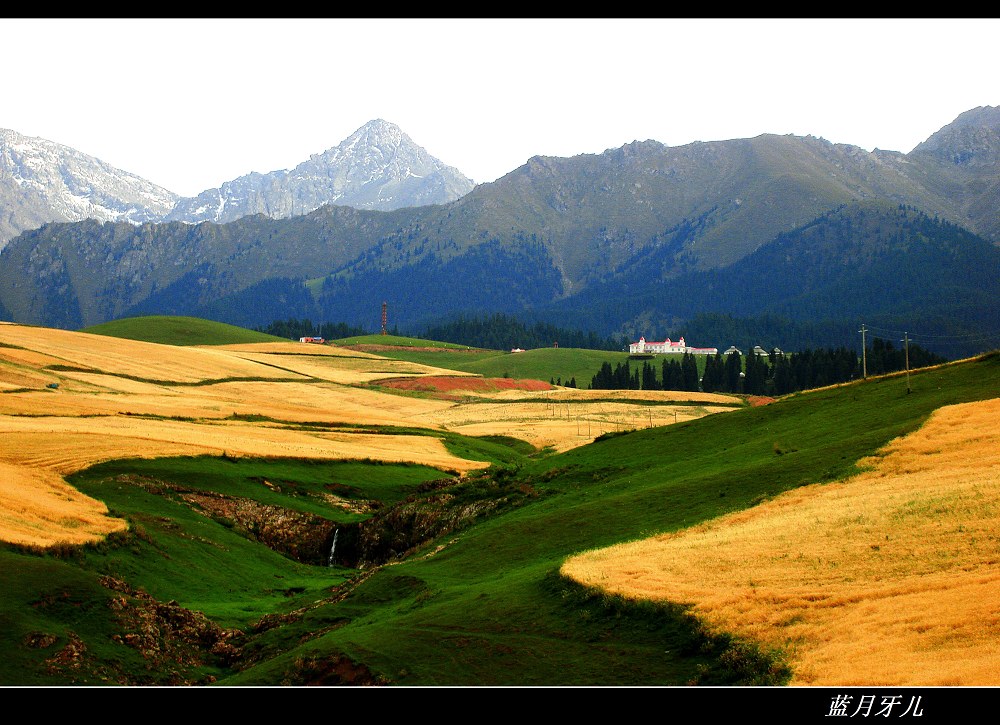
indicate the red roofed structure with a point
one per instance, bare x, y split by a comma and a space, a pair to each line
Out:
666, 347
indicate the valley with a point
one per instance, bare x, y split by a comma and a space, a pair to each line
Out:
281, 513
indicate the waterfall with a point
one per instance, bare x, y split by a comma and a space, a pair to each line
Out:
333, 546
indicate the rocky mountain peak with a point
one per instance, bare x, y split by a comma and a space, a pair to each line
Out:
377, 167
972, 139
378, 133
43, 181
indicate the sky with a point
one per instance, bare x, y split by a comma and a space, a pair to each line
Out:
191, 103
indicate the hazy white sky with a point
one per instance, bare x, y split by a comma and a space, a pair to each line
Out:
191, 103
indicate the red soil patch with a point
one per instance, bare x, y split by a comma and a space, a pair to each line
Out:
447, 383
758, 400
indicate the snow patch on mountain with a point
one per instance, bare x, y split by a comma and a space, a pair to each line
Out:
42, 181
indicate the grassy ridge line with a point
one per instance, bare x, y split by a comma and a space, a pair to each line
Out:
398, 341
484, 610
179, 330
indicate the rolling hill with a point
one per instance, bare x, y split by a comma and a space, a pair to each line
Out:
169, 330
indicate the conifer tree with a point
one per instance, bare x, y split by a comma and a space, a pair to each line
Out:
649, 377
734, 366
689, 367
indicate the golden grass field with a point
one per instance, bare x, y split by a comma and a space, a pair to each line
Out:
121, 398
888, 578
565, 418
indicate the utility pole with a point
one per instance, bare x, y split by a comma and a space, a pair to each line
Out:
906, 343
864, 353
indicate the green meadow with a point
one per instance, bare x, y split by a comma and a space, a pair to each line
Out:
174, 330
397, 340
545, 363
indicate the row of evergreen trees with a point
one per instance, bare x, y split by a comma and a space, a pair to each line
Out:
501, 331
675, 375
294, 328
773, 374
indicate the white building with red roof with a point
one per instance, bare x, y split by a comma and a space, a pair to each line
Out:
666, 347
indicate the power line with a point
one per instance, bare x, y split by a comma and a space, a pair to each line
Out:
927, 336
985, 339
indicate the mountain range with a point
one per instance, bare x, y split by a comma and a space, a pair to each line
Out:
376, 167
42, 181
791, 236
